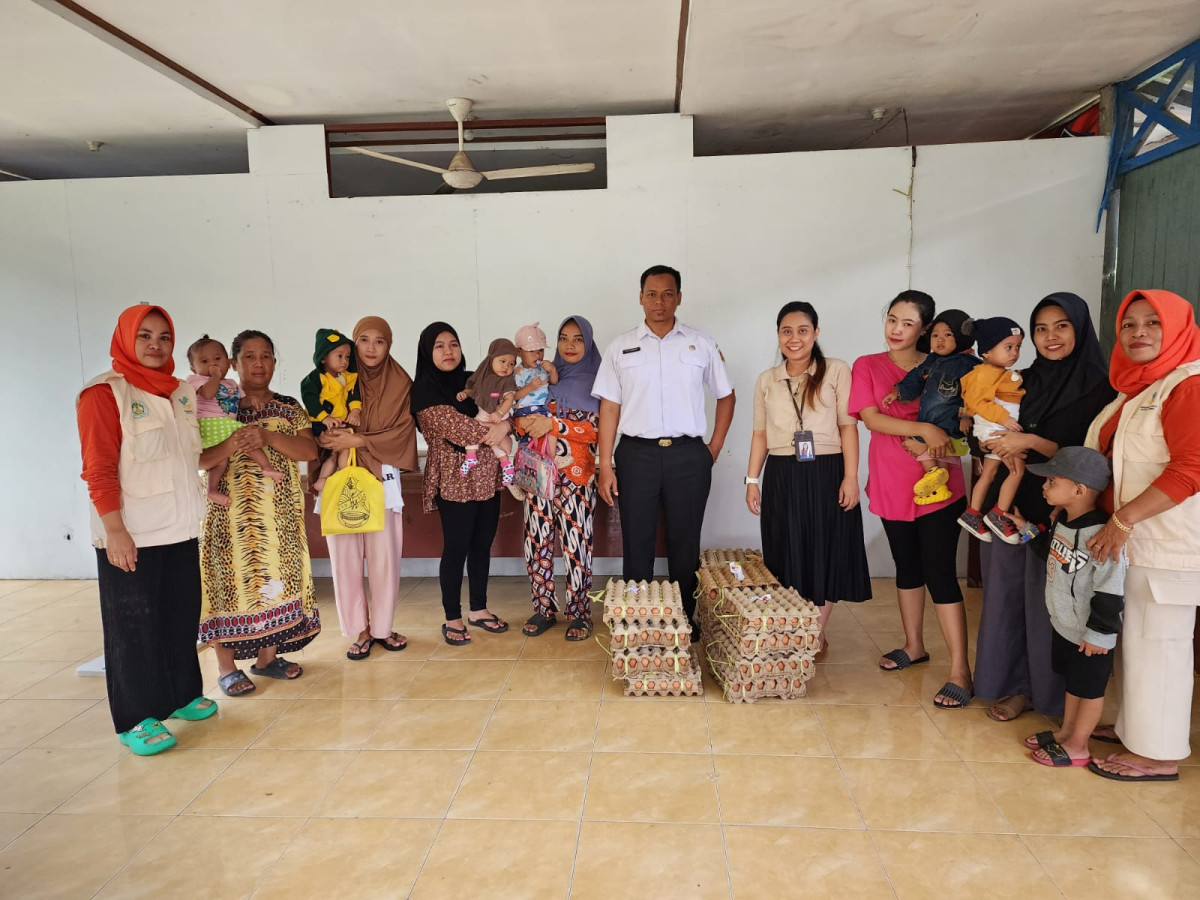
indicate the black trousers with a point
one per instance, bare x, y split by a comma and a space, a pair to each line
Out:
151, 618
926, 552
468, 530
677, 478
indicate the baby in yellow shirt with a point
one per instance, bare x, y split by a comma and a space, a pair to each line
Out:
992, 393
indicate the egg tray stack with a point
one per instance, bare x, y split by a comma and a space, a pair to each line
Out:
650, 639
760, 640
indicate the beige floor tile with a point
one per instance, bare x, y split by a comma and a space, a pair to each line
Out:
66, 647
542, 679
465, 679
12, 585
318, 859
325, 725
17, 676
883, 732
1093, 867
667, 861
783, 790
1191, 845
507, 784
651, 727
552, 645
983, 866
38, 780
242, 850
432, 725
858, 685
397, 784
1174, 805
273, 783
12, 640
1042, 800
850, 647
880, 613
766, 729
60, 618
24, 722
484, 645
63, 684
13, 825
162, 787
423, 642
976, 737
265, 688
91, 729
551, 725
922, 795
73, 856
926, 679
652, 787
365, 680
832, 863
236, 725
507, 859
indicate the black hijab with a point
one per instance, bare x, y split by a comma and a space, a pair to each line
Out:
432, 386
1056, 386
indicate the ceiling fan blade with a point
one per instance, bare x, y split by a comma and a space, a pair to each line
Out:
535, 171
397, 159
445, 189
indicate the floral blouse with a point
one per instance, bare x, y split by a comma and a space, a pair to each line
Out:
575, 444
447, 432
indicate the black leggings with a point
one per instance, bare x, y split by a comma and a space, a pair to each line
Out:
468, 530
926, 552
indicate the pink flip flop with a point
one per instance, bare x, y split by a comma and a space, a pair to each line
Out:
1058, 757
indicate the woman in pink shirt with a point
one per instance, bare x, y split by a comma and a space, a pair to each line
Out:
923, 539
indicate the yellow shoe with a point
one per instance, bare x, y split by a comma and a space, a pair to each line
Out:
937, 495
931, 480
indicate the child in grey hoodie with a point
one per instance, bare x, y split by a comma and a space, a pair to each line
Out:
1085, 600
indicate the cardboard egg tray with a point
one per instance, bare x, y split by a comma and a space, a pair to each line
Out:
625, 637
673, 660
747, 574
709, 558
653, 606
745, 667
749, 613
667, 684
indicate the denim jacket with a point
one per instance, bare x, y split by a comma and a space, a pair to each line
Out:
935, 381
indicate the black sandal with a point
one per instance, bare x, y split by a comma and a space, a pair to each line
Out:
363, 651
579, 624
541, 624
464, 636
237, 676
490, 624
386, 642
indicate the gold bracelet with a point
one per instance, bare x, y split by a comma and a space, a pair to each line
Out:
1125, 528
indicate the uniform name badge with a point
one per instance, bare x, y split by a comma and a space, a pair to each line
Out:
802, 441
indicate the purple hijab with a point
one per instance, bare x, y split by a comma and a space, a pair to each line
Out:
574, 388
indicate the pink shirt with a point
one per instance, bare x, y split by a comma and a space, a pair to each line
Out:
222, 406
891, 471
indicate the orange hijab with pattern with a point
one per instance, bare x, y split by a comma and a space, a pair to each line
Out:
123, 350
1180, 342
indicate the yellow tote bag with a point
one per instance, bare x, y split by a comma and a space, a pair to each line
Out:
351, 501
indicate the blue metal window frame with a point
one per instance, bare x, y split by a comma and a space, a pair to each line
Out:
1122, 148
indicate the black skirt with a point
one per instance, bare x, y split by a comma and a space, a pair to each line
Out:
809, 542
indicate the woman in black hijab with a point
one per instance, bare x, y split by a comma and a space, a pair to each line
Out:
468, 505
1065, 388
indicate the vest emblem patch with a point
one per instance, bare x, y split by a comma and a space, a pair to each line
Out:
139, 409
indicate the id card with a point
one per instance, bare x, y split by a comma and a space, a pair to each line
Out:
805, 449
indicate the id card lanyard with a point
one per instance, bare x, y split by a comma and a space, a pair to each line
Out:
802, 440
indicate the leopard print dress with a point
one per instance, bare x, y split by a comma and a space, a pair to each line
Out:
254, 565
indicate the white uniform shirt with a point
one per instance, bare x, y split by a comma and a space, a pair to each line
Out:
660, 382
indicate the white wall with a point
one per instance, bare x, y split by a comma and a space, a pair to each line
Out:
994, 227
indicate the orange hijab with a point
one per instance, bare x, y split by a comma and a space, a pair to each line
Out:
123, 350
1180, 342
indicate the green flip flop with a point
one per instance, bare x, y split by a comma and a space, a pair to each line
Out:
146, 738
196, 710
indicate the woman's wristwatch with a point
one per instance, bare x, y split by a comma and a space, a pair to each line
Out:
750, 480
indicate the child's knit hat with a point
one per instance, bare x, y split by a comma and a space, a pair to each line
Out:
530, 337
990, 332
961, 326
328, 340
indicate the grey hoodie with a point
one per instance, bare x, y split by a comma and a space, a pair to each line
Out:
1085, 598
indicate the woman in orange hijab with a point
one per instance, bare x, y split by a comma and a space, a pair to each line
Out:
141, 453
1151, 432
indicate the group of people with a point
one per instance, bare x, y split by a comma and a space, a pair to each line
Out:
235, 570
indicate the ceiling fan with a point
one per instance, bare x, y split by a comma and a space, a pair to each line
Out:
462, 174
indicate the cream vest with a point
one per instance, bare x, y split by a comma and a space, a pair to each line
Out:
162, 499
1171, 539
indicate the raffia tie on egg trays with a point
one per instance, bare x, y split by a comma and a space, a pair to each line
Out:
650, 639
759, 638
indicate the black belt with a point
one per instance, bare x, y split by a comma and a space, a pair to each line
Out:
661, 442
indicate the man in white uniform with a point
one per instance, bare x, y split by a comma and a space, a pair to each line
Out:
651, 388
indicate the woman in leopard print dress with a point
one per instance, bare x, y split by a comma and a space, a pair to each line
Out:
258, 596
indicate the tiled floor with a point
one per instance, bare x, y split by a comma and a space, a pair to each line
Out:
515, 768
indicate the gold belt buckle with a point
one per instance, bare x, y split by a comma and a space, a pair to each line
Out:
664, 442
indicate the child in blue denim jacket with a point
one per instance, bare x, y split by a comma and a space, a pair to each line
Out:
936, 382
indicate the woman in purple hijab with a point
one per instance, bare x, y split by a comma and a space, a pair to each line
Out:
569, 515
